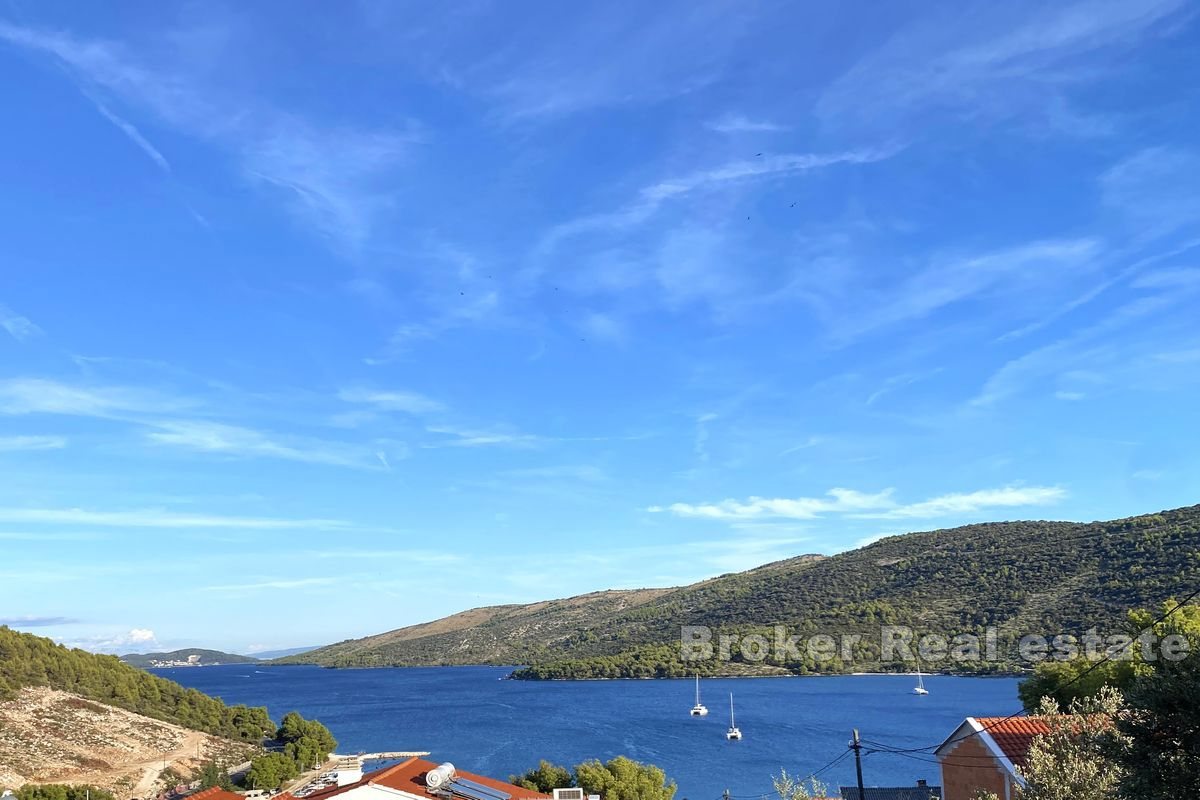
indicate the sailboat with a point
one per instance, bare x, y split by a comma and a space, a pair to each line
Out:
699, 710
920, 687
734, 731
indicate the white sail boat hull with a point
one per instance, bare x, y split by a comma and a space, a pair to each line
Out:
699, 710
920, 687
734, 733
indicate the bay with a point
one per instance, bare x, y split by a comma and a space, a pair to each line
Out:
495, 727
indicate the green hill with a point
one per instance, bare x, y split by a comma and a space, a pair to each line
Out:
28, 660
203, 658
1021, 577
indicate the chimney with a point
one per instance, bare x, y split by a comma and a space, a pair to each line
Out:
921, 783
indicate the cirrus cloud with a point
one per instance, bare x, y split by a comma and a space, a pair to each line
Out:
860, 505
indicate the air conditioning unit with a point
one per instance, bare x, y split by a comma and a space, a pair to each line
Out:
572, 793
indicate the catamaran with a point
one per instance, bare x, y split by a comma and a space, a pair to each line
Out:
920, 687
734, 731
698, 710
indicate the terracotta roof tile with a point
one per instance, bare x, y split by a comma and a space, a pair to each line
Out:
214, 793
1014, 736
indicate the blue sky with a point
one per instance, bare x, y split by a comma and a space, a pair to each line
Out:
319, 321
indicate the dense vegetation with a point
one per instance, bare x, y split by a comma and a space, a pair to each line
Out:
213, 775
306, 743
618, 779
28, 660
145, 660
1020, 577
1134, 733
60, 791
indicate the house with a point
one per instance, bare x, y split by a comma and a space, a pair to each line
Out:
411, 780
922, 791
215, 793
985, 753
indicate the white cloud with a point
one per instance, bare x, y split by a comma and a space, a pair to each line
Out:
596, 326
158, 518
391, 400
10, 444
848, 502
992, 61
945, 282
738, 123
214, 437
39, 396
974, 502
19, 327
585, 473
469, 437
135, 640
653, 196
126, 127
835, 501
276, 584
332, 179
1154, 190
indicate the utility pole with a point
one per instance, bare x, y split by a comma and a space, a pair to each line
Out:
856, 746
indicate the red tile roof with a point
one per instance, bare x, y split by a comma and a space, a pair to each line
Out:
1014, 736
409, 776
215, 793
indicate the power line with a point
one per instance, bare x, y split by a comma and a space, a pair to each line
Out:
808, 777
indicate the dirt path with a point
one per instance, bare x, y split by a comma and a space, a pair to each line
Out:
192, 744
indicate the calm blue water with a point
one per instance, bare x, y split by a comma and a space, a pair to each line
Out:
494, 727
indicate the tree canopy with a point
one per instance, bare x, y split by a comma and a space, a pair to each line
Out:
270, 771
619, 779
59, 791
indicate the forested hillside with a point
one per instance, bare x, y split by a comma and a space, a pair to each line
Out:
1021, 577
205, 657
28, 660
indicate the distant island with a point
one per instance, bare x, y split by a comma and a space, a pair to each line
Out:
190, 657
1015, 577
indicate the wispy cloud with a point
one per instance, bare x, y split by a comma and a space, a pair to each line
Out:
961, 504
667, 50
158, 518
406, 555
944, 282
19, 327
214, 437
1093, 346
277, 584
880, 505
135, 640
993, 62
652, 197
835, 501
20, 396
738, 123
1153, 190
10, 444
585, 473
331, 178
391, 400
126, 127
470, 437
597, 326
36, 622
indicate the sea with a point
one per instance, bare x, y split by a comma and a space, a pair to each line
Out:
482, 723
